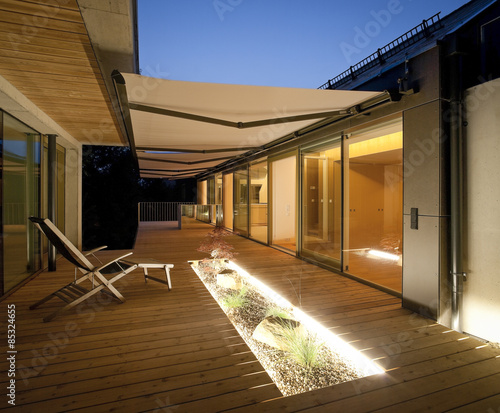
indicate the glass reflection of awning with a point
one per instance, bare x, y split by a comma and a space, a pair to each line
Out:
182, 129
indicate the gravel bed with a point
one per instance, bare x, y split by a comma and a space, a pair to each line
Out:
289, 376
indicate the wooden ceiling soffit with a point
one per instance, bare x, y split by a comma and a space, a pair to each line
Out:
45, 52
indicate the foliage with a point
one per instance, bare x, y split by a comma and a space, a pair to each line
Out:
236, 300
299, 345
110, 196
277, 312
218, 249
215, 245
111, 190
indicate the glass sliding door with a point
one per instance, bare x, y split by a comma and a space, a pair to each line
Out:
258, 201
373, 205
283, 180
211, 200
322, 203
20, 150
211, 191
218, 189
227, 201
240, 201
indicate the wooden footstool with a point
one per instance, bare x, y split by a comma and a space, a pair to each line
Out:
146, 263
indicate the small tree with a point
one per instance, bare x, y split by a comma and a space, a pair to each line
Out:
219, 250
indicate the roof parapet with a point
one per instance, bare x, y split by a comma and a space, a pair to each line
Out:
423, 30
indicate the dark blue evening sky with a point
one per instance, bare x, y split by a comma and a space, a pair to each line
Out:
292, 43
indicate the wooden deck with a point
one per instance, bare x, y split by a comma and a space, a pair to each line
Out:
176, 351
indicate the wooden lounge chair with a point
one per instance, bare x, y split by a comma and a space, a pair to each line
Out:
74, 293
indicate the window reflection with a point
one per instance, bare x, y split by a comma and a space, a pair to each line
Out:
321, 202
258, 201
21, 199
373, 214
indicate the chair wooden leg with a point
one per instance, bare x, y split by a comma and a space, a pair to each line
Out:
167, 274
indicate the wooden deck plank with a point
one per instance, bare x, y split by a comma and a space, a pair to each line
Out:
487, 405
176, 350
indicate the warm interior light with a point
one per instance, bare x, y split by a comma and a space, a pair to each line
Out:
367, 366
380, 144
383, 254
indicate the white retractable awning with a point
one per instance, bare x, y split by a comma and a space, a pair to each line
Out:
181, 129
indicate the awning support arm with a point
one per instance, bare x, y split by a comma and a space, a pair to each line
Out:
141, 158
240, 125
181, 150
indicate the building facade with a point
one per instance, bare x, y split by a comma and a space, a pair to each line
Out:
392, 196
56, 96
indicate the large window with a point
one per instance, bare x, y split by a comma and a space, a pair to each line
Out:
20, 189
218, 189
258, 201
227, 200
240, 201
373, 205
322, 203
211, 191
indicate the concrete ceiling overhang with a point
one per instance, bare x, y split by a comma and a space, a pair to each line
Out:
184, 129
58, 60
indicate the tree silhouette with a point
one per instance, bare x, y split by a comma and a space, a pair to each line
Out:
112, 189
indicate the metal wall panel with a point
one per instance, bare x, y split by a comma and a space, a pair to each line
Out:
424, 249
422, 159
421, 261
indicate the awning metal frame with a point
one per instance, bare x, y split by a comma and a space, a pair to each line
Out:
142, 158
241, 125
204, 151
324, 118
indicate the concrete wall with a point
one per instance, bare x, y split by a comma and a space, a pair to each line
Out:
481, 309
73, 192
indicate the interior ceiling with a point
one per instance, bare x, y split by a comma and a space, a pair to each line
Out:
45, 52
392, 157
201, 125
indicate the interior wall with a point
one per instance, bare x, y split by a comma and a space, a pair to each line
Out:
227, 200
481, 304
263, 189
201, 193
393, 199
366, 219
284, 198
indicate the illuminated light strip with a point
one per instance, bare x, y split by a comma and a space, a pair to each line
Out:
382, 254
367, 366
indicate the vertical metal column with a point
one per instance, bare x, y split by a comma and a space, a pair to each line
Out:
2, 274
456, 193
52, 194
30, 199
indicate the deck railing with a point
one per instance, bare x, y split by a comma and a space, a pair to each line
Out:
159, 211
211, 214
423, 30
